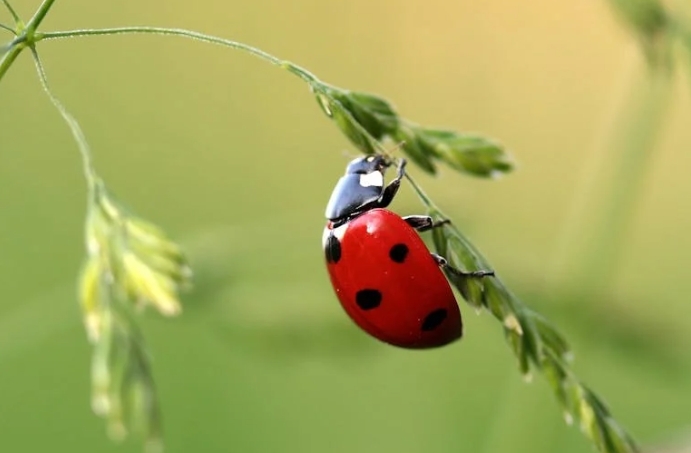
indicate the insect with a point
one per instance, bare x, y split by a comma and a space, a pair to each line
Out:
385, 278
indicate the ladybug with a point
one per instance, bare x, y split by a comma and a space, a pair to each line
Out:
385, 278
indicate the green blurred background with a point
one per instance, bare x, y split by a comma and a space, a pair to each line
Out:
234, 158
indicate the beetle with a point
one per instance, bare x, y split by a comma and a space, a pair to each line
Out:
385, 278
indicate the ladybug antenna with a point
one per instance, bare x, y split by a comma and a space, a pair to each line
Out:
389, 153
398, 146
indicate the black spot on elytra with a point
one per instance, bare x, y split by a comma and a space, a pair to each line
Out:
332, 249
398, 253
367, 299
434, 319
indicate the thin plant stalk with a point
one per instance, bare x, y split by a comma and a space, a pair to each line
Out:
11, 10
38, 17
295, 69
84, 150
27, 35
9, 54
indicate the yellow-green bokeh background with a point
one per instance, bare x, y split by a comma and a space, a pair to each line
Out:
234, 158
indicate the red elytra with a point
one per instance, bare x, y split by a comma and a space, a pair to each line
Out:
389, 283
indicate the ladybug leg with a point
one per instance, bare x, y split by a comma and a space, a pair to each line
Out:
442, 262
392, 188
424, 223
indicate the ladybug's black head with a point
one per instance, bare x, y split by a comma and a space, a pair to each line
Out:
367, 164
359, 189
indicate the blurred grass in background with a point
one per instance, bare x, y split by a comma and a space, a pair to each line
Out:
234, 158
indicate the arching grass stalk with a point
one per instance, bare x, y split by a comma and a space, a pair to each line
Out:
299, 71
77, 133
131, 263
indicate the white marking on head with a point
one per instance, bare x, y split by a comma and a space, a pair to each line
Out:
370, 159
372, 179
340, 231
337, 232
